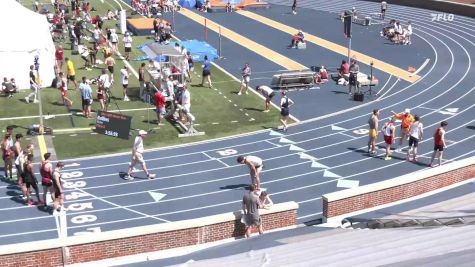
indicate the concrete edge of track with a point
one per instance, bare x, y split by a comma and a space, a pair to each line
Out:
397, 182
138, 231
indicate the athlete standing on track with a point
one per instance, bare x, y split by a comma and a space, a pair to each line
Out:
294, 7
246, 78
373, 132
285, 103
384, 6
29, 180
389, 132
58, 188
439, 143
415, 136
46, 171
255, 165
406, 121
137, 157
268, 93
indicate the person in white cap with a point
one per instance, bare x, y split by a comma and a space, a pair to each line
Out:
406, 121
137, 157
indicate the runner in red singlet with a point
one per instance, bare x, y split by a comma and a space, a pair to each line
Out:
46, 171
439, 143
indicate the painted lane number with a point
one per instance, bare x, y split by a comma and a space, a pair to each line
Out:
69, 175
75, 195
80, 206
80, 219
227, 152
361, 131
89, 231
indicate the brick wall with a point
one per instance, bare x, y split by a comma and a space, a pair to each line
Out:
396, 193
145, 243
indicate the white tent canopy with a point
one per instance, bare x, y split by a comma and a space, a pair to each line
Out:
25, 34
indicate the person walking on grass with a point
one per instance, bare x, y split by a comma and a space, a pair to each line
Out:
373, 132
137, 157
124, 75
142, 81
71, 72
389, 132
86, 96
250, 208
64, 90
33, 86
255, 165
206, 72
415, 135
268, 93
439, 143
46, 171
127, 45
246, 78
285, 103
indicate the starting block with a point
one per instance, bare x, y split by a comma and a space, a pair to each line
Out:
189, 130
302, 45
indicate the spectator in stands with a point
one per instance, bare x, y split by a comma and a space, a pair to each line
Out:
250, 208
191, 62
206, 72
72, 36
439, 143
156, 29
77, 31
103, 85
268, 93
160, 106
344, 69
33, 86
8, 88
299, 37
266, 201
127, 45
96, 34
246, 78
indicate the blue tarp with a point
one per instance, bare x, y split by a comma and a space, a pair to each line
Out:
199, 50
187, 3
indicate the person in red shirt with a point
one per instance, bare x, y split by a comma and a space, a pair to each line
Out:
59, 54
160, 106
439, 143
344, 68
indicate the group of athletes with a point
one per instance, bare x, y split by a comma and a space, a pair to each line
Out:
23, 159
411, 129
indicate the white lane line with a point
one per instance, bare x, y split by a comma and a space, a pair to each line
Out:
353, 137
274, 144
389, 90
384, 86
309, 200
218, 160
121, 207
420, 68
433, 109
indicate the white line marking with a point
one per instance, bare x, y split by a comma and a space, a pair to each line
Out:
420, 68
348, 135
218, 160
274, 144
309, 215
